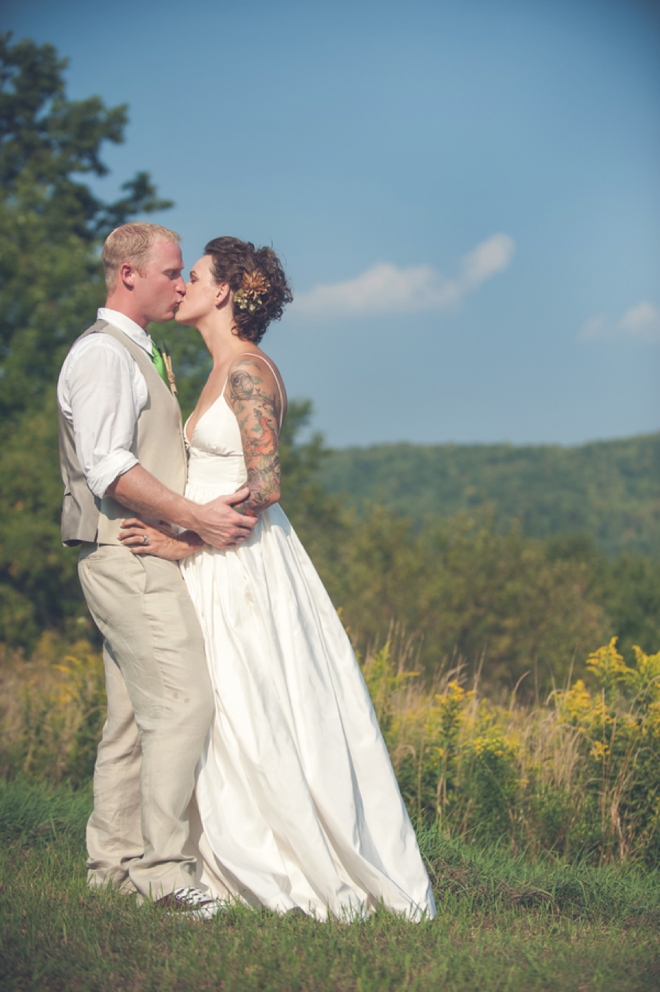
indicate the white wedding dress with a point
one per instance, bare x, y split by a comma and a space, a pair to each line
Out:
298, 803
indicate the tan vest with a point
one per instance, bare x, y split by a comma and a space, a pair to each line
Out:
157, 444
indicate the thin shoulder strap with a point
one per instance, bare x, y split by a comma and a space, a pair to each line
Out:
251, 354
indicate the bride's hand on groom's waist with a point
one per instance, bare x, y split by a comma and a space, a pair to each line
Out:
158, 540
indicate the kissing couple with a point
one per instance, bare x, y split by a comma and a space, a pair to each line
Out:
241, 759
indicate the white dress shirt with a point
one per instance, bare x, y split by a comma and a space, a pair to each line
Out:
101, 391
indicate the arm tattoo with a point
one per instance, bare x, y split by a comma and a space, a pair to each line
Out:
255, 409
242, 385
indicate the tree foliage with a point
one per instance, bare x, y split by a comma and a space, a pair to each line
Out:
468, 596
608, 489
52, 223
50, 286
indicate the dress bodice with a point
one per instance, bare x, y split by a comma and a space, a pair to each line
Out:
217, 464
216, 453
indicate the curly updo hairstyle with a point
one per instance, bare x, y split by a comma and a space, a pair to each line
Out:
257, 281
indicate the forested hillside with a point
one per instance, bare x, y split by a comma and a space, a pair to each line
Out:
608, 489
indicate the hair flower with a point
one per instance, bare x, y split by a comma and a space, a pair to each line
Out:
250, 295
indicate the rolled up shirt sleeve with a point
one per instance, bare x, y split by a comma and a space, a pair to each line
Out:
104, 402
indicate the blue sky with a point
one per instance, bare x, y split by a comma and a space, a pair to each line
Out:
466, 194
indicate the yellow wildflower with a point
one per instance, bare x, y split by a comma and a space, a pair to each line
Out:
599, 750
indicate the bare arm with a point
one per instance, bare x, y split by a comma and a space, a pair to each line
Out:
253, 399
217, 523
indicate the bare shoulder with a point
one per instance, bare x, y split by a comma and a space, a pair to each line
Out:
254, 374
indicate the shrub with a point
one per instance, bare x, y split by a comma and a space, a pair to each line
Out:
578, 775
52, 710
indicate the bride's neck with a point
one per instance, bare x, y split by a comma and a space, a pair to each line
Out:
220, 339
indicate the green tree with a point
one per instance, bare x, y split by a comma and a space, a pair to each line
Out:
629, 589
52, 223
50, 285
467, 592
317, 516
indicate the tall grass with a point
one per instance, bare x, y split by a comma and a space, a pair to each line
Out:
52, 710
576, 774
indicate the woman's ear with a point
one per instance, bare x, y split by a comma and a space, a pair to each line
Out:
222, 293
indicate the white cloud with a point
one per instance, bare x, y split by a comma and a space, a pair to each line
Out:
384, 288
486, 260
595, 328
641, 322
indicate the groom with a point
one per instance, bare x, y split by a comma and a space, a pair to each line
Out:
122, 452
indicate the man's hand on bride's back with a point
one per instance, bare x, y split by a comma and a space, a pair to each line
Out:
220, 525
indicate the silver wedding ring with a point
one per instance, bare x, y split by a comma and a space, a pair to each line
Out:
145, 539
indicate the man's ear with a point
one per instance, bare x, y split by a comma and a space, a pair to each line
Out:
128, 274
222, 291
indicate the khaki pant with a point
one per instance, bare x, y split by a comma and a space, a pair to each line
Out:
160, 705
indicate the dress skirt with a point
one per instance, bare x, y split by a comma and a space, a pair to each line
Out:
298, 803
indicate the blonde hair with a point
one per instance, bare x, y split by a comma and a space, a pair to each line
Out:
132, 243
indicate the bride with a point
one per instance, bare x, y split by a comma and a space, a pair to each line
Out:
298, 806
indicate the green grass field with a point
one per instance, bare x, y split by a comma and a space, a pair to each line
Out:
503, 924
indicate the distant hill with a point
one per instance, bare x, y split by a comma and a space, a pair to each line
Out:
609, 489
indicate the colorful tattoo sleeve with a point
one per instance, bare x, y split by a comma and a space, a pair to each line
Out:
254, 405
